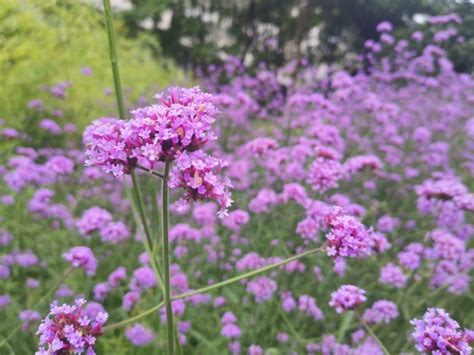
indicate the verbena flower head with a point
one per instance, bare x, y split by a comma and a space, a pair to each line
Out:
324, 174
67, 329
381, 311
437, 333
347, 237
393, 275
197, 172
347, 297
174, 129
82, 257
139, 335
180, 122
105, 146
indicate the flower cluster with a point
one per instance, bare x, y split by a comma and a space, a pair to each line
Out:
437, 333
347, 297
181, 122
381, 311
67, 329
197, 172
230, 329
347, 237
139, 335
174, 129
82, 257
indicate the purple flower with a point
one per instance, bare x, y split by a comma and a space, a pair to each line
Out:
347, 237
100, 291
260, 146
142, 279
307, 304
381, 311
324, 174
130, 299
347, 297
28, 316
391, 274
262, 288
4, 301
93, 309
105, 146
68, 329
236, 219
93, 219
60, 165
197, 172
437, 333
255, 350
50, 126
114, 232
139, 335
282, 337
231, 330
181, 122
82, 257
36, 104
228, 317
384, 27
116, 277
86, 71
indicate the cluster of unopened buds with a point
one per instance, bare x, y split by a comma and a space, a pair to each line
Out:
173, 130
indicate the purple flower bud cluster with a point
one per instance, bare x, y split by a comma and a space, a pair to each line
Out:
97, 219
82, 257
262, 288
138, 335
230, 329
197, 173
437, 333
381, 311
174, 129
347, 237
347, 297
68, 329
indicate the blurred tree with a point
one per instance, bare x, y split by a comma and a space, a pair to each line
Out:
197, 32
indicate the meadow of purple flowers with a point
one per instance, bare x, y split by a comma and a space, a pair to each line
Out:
309, 213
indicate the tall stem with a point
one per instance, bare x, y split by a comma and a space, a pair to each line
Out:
166, 259
371, 332
113, 57
136, 197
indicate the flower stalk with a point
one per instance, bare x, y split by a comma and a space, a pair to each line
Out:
166, 259
218, 285
371, 332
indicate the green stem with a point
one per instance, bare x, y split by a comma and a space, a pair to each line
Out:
146, 241
371, 332
113, 57
137, 198
135, 318
346, 321
141, 207
217, 285
166, 257
246, 275
290, 326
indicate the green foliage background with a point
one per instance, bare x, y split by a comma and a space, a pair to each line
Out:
45, 42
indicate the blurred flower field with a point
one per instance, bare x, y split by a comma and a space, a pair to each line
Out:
232, 210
